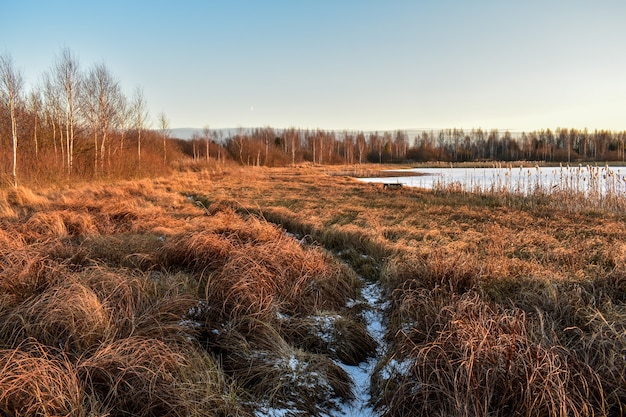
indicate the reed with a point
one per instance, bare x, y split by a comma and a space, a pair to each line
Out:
570, 188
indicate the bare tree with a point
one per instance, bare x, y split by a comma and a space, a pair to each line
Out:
207, 137
218, 139
164, 127
11, 83
67, 77
238, 141
35, 104
361, 145
292, 139
140, 118
52, 113
195, 139
101, 97
124, 117
89, 107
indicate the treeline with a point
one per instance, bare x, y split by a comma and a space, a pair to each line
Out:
78, 124
271, 147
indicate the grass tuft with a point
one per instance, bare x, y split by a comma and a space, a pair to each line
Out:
38, 381
281, 376
459, 356
341, 338
69, 316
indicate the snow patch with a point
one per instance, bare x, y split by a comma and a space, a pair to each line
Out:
325, 326
396, 369
274, 412
200, 307
361, 374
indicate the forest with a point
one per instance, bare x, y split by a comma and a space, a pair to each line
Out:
79, 123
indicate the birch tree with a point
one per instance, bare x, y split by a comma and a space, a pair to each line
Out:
52, 113
124, 116
67, 76
164, 128
11, 83
207, 137
102, 97
35, 105
361, 145
140, 118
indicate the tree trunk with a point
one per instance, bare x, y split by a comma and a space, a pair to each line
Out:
14, 135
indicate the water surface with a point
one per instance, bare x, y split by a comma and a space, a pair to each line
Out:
522, 180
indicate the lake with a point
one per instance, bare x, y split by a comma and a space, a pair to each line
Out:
587, 180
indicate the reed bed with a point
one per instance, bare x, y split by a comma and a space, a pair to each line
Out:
572, 188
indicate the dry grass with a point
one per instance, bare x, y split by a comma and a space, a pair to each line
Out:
134, 374
137, 294
25, 198
531, 270
69, 316
340, 337
458, 355
26, 273
280, 376
240, 267
37, 381
184, 296
59, 224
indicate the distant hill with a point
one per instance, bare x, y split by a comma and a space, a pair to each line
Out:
187, 132
184, 132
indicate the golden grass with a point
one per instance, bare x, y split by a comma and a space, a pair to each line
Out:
533, 264
463, 357
69, 316
23, 197
35, 380
184, 296
133, 374
142, 291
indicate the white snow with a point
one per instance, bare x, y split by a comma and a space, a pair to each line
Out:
325, 326
361, 374
395, 368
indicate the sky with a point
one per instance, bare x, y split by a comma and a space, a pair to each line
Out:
343, 64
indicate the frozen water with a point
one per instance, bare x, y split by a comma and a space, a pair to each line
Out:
520, 180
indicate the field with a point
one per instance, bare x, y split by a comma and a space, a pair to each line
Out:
241, 292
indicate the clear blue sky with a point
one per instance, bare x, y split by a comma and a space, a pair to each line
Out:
344, 64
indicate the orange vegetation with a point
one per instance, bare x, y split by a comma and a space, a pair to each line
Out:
184, 296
